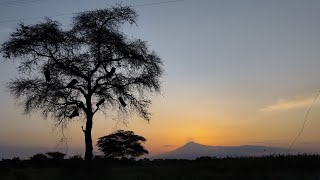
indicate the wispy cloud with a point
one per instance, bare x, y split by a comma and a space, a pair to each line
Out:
290, 103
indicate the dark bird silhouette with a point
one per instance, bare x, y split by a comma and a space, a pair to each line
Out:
80, 105
112, 71
47, 75
72, 83
74, 114
122, 102
100, 102
83, 129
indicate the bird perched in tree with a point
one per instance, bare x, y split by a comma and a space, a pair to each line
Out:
80, 105
74, 114
122, 101
112, 71
72, 83
47, 75
100, 102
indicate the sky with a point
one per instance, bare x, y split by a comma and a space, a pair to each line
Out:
236, 73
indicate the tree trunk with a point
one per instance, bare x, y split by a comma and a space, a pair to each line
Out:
88, 138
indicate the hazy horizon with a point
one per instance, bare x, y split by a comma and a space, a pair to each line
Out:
25, 152
236, 73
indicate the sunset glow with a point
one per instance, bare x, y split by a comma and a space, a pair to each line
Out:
236, 73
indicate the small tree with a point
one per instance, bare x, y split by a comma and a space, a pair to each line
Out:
92, 66
122, 144
39, 157
56, 155
76, 157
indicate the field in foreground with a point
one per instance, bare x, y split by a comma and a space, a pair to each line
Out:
270, 167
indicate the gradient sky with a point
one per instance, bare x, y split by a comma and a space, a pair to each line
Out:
236, 72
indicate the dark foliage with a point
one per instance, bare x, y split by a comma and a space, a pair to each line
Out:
276, 167
56, 155
92, 66
122, 144
39, 157
76, 158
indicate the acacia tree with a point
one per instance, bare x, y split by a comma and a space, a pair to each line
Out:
56, 155
90, 67
122, 144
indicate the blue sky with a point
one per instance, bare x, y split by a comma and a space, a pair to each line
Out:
236, 72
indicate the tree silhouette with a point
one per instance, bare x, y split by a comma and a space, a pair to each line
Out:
90, 67
39, 157
56, 155
122, 144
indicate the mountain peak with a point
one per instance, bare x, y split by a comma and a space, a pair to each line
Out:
193, 150
191, 143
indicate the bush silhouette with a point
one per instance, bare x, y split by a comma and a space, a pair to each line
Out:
122, 144
76, 158
39, 157
56, 155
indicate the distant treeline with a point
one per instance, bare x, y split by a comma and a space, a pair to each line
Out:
57, 159
305, 166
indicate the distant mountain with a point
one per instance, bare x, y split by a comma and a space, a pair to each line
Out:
194, 150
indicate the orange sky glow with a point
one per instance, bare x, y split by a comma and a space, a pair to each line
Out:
236, 73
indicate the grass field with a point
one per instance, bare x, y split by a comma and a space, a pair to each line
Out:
270, 167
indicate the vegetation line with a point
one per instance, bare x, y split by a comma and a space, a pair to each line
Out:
304, 122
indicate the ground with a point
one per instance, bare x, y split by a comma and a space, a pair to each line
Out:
272, 167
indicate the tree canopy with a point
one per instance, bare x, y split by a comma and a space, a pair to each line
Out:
56, 155
78, 71
122, 144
